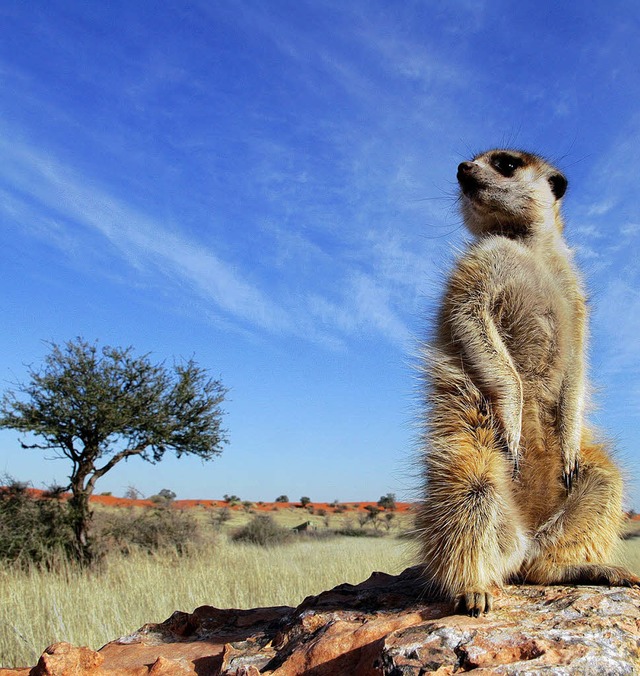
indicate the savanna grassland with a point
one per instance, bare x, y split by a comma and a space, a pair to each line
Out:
132, 587
91, 607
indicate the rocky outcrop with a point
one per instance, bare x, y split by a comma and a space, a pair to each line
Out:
381, 626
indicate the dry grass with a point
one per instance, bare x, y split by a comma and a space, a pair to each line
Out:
629, 555
38, 608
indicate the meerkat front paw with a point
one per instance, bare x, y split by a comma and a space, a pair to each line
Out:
570, 472
473, 602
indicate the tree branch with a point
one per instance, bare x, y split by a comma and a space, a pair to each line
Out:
115, 459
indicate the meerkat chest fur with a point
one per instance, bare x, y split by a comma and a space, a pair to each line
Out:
515, 289
532, 299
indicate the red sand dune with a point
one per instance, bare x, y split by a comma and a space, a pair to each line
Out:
113, 501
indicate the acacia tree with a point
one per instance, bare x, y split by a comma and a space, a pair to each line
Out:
98, 407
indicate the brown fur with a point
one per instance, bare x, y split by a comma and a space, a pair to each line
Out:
516, 486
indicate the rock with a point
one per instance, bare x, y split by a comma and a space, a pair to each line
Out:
381, 626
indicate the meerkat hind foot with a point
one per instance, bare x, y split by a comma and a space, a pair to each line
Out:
614, 576
473, 603
587, 574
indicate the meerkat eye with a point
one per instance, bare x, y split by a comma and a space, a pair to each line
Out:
506, 164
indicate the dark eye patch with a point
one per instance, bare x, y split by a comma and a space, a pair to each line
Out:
506, 164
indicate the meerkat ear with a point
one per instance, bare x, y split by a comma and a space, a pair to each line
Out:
558, 185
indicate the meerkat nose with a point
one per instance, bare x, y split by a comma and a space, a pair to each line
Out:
466, 178
465, 167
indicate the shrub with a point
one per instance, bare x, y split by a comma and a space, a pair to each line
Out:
263, 530
304, 500
221, 516
282, 498
388, 501
358, 533
132, 493
153, 529
34, 530
164, 497
372, 515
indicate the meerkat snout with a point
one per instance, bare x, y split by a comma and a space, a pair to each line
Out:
464, 168
468, 182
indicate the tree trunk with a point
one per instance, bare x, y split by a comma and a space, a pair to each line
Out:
81, 514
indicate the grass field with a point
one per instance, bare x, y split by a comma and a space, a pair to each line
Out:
38, 608
91, 608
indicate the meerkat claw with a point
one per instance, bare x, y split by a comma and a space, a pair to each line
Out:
515, 474
474, 603
570, 477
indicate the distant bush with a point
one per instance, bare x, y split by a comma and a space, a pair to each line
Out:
153, 529
317, 534
164, 497
358, 533
388, 501
34, 530
220, 517
282, 498
263, 530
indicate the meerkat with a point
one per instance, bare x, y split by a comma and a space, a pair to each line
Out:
516, 486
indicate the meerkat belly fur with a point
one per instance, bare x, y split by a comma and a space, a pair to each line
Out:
515, 485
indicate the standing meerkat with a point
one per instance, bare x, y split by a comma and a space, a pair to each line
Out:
516, 486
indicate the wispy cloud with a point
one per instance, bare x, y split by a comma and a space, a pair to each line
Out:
601, 208
358, 301
142, 241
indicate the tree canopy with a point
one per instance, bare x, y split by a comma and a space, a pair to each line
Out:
97, 407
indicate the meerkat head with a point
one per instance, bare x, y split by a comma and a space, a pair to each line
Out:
510, 192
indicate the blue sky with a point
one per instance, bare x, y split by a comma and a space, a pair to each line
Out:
269, 187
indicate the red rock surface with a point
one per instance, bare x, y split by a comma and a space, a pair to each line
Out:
381, 626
